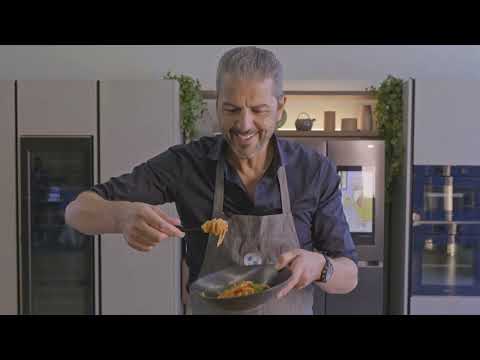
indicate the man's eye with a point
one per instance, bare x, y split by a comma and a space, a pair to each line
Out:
231, 110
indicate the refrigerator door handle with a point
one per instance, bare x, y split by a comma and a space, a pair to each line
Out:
28, 239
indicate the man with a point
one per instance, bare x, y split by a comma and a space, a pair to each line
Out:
281, 199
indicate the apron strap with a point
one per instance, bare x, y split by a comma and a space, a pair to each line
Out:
219, 188
282, 179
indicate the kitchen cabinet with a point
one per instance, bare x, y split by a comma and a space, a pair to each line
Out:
60, 137
366, 299
138, 120
56, 135
318, 301
446, 125
8, 220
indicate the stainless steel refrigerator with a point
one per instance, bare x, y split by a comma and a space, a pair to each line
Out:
360, 164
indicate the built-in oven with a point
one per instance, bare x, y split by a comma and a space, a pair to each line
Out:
446, 193
445, 232
446, 262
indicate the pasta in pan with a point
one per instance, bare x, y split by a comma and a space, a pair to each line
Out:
217, 227
244, 288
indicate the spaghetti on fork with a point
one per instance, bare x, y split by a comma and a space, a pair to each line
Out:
217, 227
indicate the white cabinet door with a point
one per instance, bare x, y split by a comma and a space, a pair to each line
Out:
447, 123
57, 107
138, 120
8, 242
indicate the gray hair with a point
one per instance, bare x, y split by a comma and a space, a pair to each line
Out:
251, 62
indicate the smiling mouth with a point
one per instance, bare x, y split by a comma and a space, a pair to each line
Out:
245, 136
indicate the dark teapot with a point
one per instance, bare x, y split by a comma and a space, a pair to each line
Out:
304, 124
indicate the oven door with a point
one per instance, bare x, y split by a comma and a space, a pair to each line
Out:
432, 199
446, 264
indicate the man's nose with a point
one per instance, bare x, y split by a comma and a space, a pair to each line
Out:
245, 122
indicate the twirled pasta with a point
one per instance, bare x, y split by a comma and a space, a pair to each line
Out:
217, 227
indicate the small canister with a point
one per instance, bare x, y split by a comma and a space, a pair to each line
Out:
349, 124
329, 121
366, 118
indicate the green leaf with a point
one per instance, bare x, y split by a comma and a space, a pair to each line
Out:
389, 114
192, 104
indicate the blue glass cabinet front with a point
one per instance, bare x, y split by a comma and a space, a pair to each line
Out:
446, 231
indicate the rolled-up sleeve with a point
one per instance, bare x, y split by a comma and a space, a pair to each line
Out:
331, 233
154, 182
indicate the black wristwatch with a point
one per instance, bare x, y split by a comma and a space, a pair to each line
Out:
327, 270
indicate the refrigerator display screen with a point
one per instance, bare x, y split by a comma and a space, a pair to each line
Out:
357, 184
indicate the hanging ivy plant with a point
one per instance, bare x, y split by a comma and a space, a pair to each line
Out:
192, 104
389, 114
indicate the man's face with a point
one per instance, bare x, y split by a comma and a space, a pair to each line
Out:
248, 113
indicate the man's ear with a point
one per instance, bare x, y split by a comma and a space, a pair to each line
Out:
281, 106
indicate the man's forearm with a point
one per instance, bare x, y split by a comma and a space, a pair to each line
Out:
344, 278
90, 214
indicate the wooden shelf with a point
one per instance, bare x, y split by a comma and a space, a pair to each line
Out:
346, 109
329, 93
320, 133
212, 94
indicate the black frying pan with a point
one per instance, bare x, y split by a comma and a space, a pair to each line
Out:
209, 286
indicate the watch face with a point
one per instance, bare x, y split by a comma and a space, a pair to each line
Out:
327, 271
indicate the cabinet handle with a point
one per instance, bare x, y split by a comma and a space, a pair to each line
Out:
370, 263
29, 238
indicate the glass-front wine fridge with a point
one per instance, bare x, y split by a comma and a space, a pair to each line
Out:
56, 262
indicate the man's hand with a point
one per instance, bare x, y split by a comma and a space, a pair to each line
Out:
144, 226
306, 267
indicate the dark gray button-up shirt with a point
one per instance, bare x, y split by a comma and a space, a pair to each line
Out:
185, 174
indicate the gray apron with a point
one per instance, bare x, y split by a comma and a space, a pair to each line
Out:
251, 240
